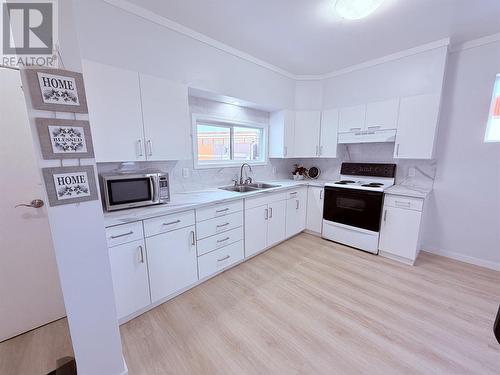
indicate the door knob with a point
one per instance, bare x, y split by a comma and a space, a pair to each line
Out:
35, 203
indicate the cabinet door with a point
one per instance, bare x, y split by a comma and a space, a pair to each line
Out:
296, 214
382, 115
281, 134
276, 228
352, 119
255, 229
328, 134
172, 262
167, 128
114, 101
307, 129
417, 125
130, 277
314, 209
399, 232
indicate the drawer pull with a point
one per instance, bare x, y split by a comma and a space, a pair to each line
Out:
122, 235
406, 204
223, 259
221, 211
293, 194
222, 225
385, 216
193, 238
172, 222
223, 240
142, 254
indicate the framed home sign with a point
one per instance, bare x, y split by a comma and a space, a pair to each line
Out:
56, 90
64, 139
68, 185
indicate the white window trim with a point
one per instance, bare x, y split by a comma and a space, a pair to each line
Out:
199, 117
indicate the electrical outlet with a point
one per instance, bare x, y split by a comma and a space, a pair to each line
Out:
411, 172
185, 172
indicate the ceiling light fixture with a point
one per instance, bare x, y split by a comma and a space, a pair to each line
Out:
356, 9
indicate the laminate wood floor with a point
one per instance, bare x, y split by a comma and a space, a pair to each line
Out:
309, 306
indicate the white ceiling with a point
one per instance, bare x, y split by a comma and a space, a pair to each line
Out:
305, 37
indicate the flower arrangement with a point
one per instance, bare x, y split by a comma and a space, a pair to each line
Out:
299, 172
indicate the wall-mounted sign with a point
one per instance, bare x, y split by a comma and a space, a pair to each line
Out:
57, 90
68, 185
64, 139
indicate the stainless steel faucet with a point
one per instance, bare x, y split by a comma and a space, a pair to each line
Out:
248, 180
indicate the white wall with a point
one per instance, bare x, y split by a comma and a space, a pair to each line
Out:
113, 36
464, 215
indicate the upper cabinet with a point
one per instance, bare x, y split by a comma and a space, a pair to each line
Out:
328, 134
352, 119
382, 115
136, 117
307, 131
417, 126
281, 134
114, 101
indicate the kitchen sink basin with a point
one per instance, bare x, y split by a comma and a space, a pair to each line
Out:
260, 185
248, 187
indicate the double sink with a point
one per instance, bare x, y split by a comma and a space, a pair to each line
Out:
245, 188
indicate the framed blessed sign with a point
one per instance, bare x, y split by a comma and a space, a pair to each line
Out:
57, 90
68, 185
64, 139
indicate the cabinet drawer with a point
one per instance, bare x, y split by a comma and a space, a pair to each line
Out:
408, 203
299, 193
220, 259
220, 240
220, 224
120, 234
264, 199
218, 210
168, 223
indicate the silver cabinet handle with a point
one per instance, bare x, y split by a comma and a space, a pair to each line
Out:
320, 150
150, 147
320, 194
35, 203
270, 212
317, 150
223, 240
193, 238
221, 211
400, 203
298, 204
172, 222
267, 213
285, 153
222, 225
397, 150
374, 127
223, 259
293, 194
353, 129
139, 145
385, 216
122, 235
141, 249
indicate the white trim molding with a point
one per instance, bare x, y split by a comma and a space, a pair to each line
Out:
475, 43
465, 258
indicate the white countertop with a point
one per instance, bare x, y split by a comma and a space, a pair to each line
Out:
409, 191
196, 199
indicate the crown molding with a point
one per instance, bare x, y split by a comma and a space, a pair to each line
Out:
475, 43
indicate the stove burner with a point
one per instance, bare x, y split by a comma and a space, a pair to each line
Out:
345, 182
373, 185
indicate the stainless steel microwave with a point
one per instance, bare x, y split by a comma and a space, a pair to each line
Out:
131, 190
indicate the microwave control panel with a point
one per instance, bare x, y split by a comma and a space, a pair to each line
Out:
164, 190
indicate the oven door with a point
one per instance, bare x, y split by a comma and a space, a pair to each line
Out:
130, 191
356, 208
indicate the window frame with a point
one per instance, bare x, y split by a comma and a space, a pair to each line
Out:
197, 118
496, 85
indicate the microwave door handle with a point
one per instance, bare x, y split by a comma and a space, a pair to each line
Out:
154, 188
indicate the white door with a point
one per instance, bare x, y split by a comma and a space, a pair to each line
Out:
417, 125
255, 229
30, 291
276, 229
114, 101
382, 115
307, 129
172, 262
329, 131
296, 214
130, 277
167, 128
399, 232
314, 209
352, 119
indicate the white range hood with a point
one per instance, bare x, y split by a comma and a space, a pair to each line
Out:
367, 136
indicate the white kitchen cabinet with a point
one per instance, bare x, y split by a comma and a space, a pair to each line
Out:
114, 102
276, 227
281, 134
399, 232
130, 277
172, 262
417, 126
296, 206
382, 115
352, 119
314, 209
328, 133
167, 125
307, 132
255, 229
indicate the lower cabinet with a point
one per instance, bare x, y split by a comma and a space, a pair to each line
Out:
276, 227
130, 277
172, 262
255, 229
314, 209
220, 259
400, 229
296, 206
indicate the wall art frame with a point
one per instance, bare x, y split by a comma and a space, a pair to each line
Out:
69, 185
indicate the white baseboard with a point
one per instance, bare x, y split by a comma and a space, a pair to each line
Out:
465, 258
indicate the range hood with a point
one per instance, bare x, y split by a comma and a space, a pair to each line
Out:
367, 136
